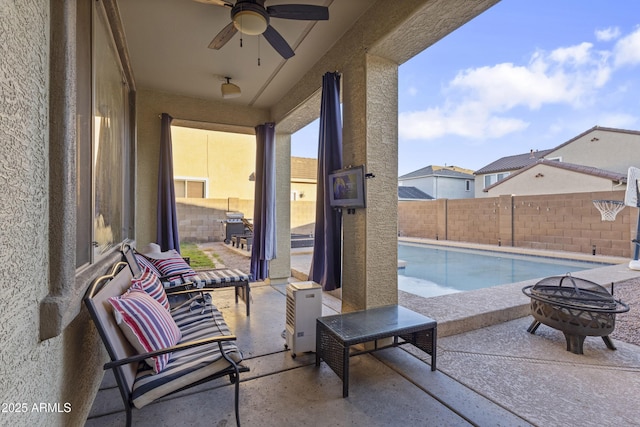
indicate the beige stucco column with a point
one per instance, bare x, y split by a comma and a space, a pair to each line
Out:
280, 268
370, 137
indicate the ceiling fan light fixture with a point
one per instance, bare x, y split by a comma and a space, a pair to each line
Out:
229, 90
250, 19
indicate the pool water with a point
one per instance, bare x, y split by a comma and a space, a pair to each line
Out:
436, 270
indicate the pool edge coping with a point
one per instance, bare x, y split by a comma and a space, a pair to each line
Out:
544, 253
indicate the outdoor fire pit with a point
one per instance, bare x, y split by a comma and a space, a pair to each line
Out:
580, 308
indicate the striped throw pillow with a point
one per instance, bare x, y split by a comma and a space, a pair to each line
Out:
150, 283
144, 262
171, 264
147, 325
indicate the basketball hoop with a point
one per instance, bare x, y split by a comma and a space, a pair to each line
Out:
633, 190
632, 198
609, 208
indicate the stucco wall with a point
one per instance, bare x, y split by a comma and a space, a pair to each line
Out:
559, 222
546, 179
225, 159
33, 372
609, 150
305, 191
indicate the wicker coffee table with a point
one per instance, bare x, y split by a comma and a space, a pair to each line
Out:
336, 334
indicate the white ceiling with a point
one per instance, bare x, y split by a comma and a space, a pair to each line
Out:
168, 45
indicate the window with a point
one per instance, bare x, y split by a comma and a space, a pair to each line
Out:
83, 129
195, 188
467, 185
97, 205
104, 205
489, 180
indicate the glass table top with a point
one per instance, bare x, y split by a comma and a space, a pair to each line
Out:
380, 321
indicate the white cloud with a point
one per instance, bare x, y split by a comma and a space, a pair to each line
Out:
468, 120
480, 100
618, 120
607, 34
627, 49
579, 54
413, 91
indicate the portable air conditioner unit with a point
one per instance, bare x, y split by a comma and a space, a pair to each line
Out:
304, 306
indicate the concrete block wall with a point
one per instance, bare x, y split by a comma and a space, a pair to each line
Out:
475, 219
201, 220
571, 222
558, 222
418, 219
504, 210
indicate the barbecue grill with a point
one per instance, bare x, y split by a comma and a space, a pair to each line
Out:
578, 309
233, 225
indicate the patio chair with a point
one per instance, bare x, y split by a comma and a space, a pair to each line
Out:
179, 275
205, 351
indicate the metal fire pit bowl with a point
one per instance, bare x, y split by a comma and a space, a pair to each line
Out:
580, 308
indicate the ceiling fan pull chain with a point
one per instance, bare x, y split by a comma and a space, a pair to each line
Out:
258, 51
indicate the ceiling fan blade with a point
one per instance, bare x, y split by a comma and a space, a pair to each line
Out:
278, 42
223, 37
304, 12
216, 2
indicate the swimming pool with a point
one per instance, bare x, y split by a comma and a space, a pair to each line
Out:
437, 270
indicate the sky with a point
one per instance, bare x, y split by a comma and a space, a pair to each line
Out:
525, 75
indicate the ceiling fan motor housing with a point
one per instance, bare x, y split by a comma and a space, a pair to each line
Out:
250, 17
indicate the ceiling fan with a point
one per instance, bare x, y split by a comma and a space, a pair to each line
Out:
252, 17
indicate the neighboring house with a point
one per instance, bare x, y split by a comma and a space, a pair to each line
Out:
212, 164
412, 193
596, 160
304, 177
554, 177
502, 168
441, 182
219, 165
604, 148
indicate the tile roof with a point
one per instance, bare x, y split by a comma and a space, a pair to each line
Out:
406, 192
511, 163
587, 170
432, 170
304, 168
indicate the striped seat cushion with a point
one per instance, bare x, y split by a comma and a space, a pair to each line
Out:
221, 276
196, 321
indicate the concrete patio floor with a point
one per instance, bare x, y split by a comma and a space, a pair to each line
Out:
491, 372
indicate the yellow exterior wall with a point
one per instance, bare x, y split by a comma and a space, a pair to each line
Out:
305, 191
225, 160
